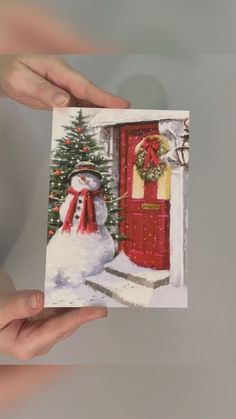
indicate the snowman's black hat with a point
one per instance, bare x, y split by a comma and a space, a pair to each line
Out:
85, 166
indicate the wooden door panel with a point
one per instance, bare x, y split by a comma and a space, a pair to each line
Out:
162, 234
136, 226
146, 218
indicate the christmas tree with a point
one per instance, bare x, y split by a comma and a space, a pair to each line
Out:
79, 144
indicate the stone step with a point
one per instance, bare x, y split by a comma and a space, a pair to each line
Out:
122, 290
150, 283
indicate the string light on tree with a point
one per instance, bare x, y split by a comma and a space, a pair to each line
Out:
79, 144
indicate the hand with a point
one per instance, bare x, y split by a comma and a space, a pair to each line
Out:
20, 382
27, 27
46, 81
27, 330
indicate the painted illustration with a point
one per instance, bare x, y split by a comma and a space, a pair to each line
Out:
117, 221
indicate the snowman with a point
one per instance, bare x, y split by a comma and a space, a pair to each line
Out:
82, 246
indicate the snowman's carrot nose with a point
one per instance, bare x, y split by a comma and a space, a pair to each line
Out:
82, 178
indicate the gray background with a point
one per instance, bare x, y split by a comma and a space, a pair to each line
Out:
164, 392
154, 26
204, 333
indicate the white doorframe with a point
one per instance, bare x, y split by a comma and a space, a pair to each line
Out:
172, 130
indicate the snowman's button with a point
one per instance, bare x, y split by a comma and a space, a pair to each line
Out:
76, 217
80, 200
78, 207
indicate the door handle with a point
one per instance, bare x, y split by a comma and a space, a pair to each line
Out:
147, 206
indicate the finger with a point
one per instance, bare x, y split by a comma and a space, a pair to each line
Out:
33, 86
62, 74
75, 102
61, 326
20, 305
34, 104
86, 90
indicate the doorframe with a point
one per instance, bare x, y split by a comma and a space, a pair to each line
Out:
178, 201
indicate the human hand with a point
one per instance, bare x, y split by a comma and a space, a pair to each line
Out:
27, 27
27, 330
20, 382
47, 81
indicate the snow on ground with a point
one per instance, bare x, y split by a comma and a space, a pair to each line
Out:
124, 292
80, 297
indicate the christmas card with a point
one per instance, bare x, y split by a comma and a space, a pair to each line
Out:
117, 213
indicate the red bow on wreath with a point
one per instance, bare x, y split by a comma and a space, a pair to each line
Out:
151, 147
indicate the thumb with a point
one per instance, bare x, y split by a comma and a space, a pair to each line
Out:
20, 305
42, 90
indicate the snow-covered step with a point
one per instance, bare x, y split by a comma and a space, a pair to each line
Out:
122, 290
122, 266
157, 279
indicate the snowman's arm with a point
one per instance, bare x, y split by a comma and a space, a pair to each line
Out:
100, 211
64, 207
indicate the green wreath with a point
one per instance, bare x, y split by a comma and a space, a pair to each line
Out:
149, 159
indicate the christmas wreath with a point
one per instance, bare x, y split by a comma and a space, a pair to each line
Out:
149, 158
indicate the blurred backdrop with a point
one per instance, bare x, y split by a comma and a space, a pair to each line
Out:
180, 392
156, 26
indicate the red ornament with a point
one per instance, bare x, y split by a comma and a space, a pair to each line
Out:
57, 172
50, 233
55, 209
85, 149
78, 129
67, 141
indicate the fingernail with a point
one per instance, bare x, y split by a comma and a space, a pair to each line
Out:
97, 314
127, 105
60, 99
34, 301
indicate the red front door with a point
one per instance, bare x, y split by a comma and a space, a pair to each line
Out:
146, 218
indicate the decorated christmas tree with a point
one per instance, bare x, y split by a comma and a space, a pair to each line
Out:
79, 144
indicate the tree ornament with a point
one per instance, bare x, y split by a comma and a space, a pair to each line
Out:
67, 141
55, 209
85, 149
57, 172
50, 233
149, 158
78, 129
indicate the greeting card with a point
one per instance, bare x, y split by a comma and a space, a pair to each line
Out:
117, 214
